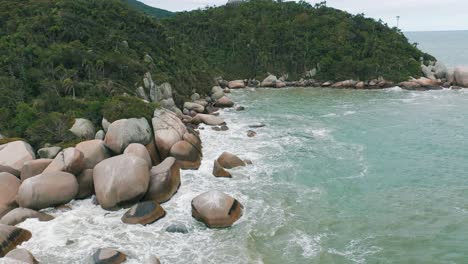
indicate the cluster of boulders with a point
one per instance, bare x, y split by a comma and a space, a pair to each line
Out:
128, 163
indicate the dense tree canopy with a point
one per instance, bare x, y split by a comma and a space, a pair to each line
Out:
258, 36
152, 11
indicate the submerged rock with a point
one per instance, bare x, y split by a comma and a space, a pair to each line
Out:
19, 215
177, 228
47, 190
120, 180
10, 237
144, 213
216, 209
108, 256
164, 181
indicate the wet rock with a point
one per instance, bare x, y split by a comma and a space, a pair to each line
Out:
259, 125
86, 184
326, 84
144, 213
140, 151
216, 209
83, 128
240, 108
9, 186
177, 228
229, 161
108, 256
224, 101
13, 155
68, 160
19, 215
124, 132
47, 190
219, 171
210, 120
187, 155
49, 153
251, 133
168, 130
195, 140
164, 181
236, 84
21, 255
360, 85
113, 177
94, 151
34, 167
10, 237
152, 260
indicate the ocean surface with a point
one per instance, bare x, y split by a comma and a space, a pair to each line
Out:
338, 176
450, 47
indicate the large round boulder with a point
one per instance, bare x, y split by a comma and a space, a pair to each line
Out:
210, 120
10, 237
47, 190
22, 256
83, 128
236, 84
219, 171
34, 167
187, 155
120, 180
124, 132
13, 155
229, 161
9, 186
108, 256
144, 213
168, 130
216, 209
216, 93
269, 81
461, 76
164, 182
19, 215
194, 107
94, 151
68, 160
224, 102
140, 151
85, 183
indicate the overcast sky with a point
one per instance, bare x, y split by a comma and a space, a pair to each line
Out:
416, 15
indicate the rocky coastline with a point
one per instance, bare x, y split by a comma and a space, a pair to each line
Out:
136, 163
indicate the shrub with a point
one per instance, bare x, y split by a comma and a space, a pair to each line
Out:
51, 128
122, 107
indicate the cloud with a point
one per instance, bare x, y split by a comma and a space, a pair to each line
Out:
416, 15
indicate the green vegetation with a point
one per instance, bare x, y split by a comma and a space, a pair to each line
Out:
152, 11
62, 59
259, 36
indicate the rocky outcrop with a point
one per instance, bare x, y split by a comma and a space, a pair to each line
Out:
49, 152
140, 151
68, 160
216, 209
269, 81
13, 155
10, 237
236, 84
85, 184
83, 128
22, 256
210, 120
94, 151
123, 132
140, 92
168, 130
9, 186
427, 72
34, 167
229, 161
144, 213
120, 180
164, 181
20, 215
108, 256
47, 190
461, 76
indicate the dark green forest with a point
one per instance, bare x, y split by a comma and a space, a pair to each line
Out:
61, 59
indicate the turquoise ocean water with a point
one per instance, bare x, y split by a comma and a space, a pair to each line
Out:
339, 176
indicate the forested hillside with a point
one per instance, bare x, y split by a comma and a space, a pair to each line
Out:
249, 39
156, 12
